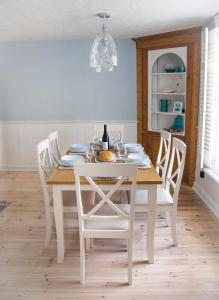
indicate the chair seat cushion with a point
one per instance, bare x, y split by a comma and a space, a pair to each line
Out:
163, 197
110, 224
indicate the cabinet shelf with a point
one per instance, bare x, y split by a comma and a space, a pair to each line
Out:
163, 93
168, 113
181, 133
170, 73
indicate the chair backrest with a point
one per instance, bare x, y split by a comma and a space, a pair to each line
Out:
114, 131
163, 154
45, 166
54, 147
174, 175
120, 172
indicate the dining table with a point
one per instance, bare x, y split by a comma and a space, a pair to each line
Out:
63, 179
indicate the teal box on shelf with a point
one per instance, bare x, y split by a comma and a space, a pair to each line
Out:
164, 105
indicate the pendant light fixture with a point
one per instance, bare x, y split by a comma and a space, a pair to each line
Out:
103, 53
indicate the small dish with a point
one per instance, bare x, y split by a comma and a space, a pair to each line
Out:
170, 68
168, 90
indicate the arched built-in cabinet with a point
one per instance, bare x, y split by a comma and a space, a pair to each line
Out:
166, 86
178, 88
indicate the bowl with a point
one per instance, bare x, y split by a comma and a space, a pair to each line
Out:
170, 68
181, 69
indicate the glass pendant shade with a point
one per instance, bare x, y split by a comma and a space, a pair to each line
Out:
103, 53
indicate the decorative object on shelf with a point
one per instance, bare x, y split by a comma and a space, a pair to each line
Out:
181, 69
178, 124
168, 90
170, 68
177, 107
164, 105
177, 87
103, 53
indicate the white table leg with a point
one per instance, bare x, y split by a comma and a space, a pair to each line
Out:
152, 199
58, 214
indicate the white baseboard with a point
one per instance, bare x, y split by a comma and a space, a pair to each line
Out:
211, 204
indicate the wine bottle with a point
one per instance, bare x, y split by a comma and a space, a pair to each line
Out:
105, 139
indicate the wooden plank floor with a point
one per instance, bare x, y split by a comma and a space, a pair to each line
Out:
29, 271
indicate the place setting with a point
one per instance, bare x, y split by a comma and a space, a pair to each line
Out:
105, 150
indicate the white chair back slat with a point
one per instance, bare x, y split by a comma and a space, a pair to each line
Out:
163, 154
54, 147
178, 151
45, 165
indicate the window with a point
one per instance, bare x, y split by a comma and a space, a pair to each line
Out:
209, 98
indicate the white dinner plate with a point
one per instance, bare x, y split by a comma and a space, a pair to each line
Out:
134, 148
78, 148
70, 160
141, 159
133, 145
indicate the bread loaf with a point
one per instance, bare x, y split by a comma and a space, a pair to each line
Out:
105, 156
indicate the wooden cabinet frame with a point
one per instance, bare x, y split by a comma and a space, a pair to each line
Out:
191, 38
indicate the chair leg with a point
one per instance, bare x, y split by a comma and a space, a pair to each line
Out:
130, 262
167, 217
82, 260
128, 196
87, 244
122, 200
49, 225
93, 198
173, 228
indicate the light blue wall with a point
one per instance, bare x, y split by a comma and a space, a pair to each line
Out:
52, 80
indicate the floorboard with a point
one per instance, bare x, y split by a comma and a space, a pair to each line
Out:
29, 271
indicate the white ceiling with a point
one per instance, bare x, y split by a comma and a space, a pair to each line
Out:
71, 19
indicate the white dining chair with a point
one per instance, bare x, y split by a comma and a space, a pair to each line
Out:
111, 222
161, 167
54, 148
45, 167
167, 196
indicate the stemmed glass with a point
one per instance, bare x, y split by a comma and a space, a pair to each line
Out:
89, 154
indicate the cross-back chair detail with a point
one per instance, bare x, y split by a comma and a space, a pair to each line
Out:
44, 158
105, 199
178, 156
93, 225
163, 154
54, 147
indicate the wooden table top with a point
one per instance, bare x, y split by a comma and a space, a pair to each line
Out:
145, 176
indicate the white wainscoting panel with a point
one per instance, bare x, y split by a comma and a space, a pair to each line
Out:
18, 140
